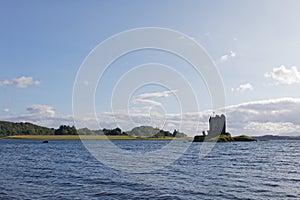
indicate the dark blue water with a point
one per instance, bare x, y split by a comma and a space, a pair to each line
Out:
66, 170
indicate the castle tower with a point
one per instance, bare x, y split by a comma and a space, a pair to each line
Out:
217, 125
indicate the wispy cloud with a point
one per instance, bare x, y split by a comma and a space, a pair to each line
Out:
146, 101
243, 87
151, 98
283, 75
227, 57
21, 82
154, 95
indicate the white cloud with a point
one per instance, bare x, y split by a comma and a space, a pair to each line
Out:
146, 101
6, 110
227, 57
243, 87
270, 127
224, 58
232, 54
273, 116
150, 98
43, 115
275, 111
41, 110
283, 75
154, 95
276, 116
21, 82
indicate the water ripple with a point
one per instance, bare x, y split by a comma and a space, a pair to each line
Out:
65, 170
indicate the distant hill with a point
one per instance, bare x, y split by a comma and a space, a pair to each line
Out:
276, 137
143, 131
149, 131
292, 134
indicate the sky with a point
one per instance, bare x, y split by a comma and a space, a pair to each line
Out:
255, 46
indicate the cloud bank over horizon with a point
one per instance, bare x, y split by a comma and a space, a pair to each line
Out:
272, 116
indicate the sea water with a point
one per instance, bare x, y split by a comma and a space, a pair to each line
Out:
30, 169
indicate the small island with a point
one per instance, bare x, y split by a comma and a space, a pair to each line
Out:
217, 132
223, 138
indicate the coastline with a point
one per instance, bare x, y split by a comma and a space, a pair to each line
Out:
88, 137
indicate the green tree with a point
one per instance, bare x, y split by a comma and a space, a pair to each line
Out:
66, 130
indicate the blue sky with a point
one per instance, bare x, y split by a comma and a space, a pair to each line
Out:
254, 44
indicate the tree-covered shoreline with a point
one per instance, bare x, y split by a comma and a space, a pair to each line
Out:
26, 128
23, 128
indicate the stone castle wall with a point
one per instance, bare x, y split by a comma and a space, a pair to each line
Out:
217, 125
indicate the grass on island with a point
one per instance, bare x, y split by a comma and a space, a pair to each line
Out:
243, 138
87, 137
226, 137
229, 138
